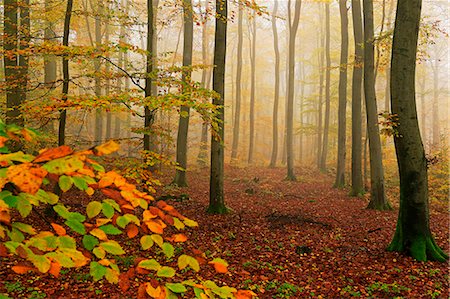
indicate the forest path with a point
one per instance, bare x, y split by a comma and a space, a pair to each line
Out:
305, 238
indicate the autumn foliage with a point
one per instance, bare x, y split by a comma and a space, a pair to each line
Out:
75, 239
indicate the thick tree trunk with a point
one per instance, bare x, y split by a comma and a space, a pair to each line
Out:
293, 26
252, 92
216, 194
183, 125
237, 112
340, 170
148, 114
412, 234
66, 78
357, 180
276, 101
326, 128
378, 198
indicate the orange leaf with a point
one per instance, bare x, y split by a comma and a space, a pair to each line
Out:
155, 227
3, 251
132, 230
61, 231
2, 141
244, 294
219, 267
55, 267
26, 176
53, 153
113, 194
178, 238
21, 269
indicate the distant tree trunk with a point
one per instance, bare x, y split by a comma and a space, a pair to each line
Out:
153, 137
98, 135
378, 198
340, 170
183, 125
24, 44
387, 94
435, 105
49, 60
412, 234
148, 114
357, 181
66, 78
237, 113
252, 91
321, 58
276, 102
302, 102
326, 128
293, 26
216, 194
12, 79
107, 90
121, 63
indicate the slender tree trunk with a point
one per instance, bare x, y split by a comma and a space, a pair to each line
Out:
252, 91
107, 89
98, 135
302, 103
387, 93
183, 125
357, 181
435, 105
66, 78
24, 44
237, 113
276, 102
321, 57
148, 114
378, 198
153, 137
326, 128
49, 60
216, 194
412, 234
293, 26
340, 170
12, 79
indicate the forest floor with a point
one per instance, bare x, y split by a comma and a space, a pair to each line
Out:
283, 239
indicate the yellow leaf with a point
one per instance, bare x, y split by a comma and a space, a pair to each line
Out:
27, 177
107, 148
96, 232
151, 291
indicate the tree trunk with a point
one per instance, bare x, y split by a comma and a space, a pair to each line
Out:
412, 234
49, 60
293, 26
435, 105
340, 170
66, 78
24, 44
237, 113
357, 180
148, 114
423, 104
252, 91
107, 89
183, 125
378, 200
273, 159
326, 127
321, 58
216, 194
98, 130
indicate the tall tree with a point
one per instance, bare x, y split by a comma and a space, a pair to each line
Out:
148, 113
252, 89
293, 27
98, 130
412, 234
357, 181
321, 61
342, 109
326, 127
49, 60
183, 125
378, 198
216, 195
66, 78
12, 74
273, 159
24, 43
237, 111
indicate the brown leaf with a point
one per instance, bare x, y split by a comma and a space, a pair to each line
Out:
132, 230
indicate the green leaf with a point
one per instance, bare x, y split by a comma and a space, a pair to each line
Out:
143, 204
112, 276
99, 252
77, 217
122, 221
23, 206
67, 242
15, 235
64, 165
113, 203
11, 201
150, 265
112, 247
190, 223
110, 229
107, 210
52, 198
166, 272
98, 167
186, 260
177, 223
93, 209
62, 211
158, 239
146, 242
40, 262
97, 271
26, 228
80, 183
76, 226
168, 249
61, 258
176, 287
4, 193
65, 183
89, 242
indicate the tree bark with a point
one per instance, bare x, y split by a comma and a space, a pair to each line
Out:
252, 91
183, 125
98, 130
276, 102
216, 194
340, 170
237, 112
321, 58
357, 180
326, 127
293, 26
412, 234
378, 200
148, 114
